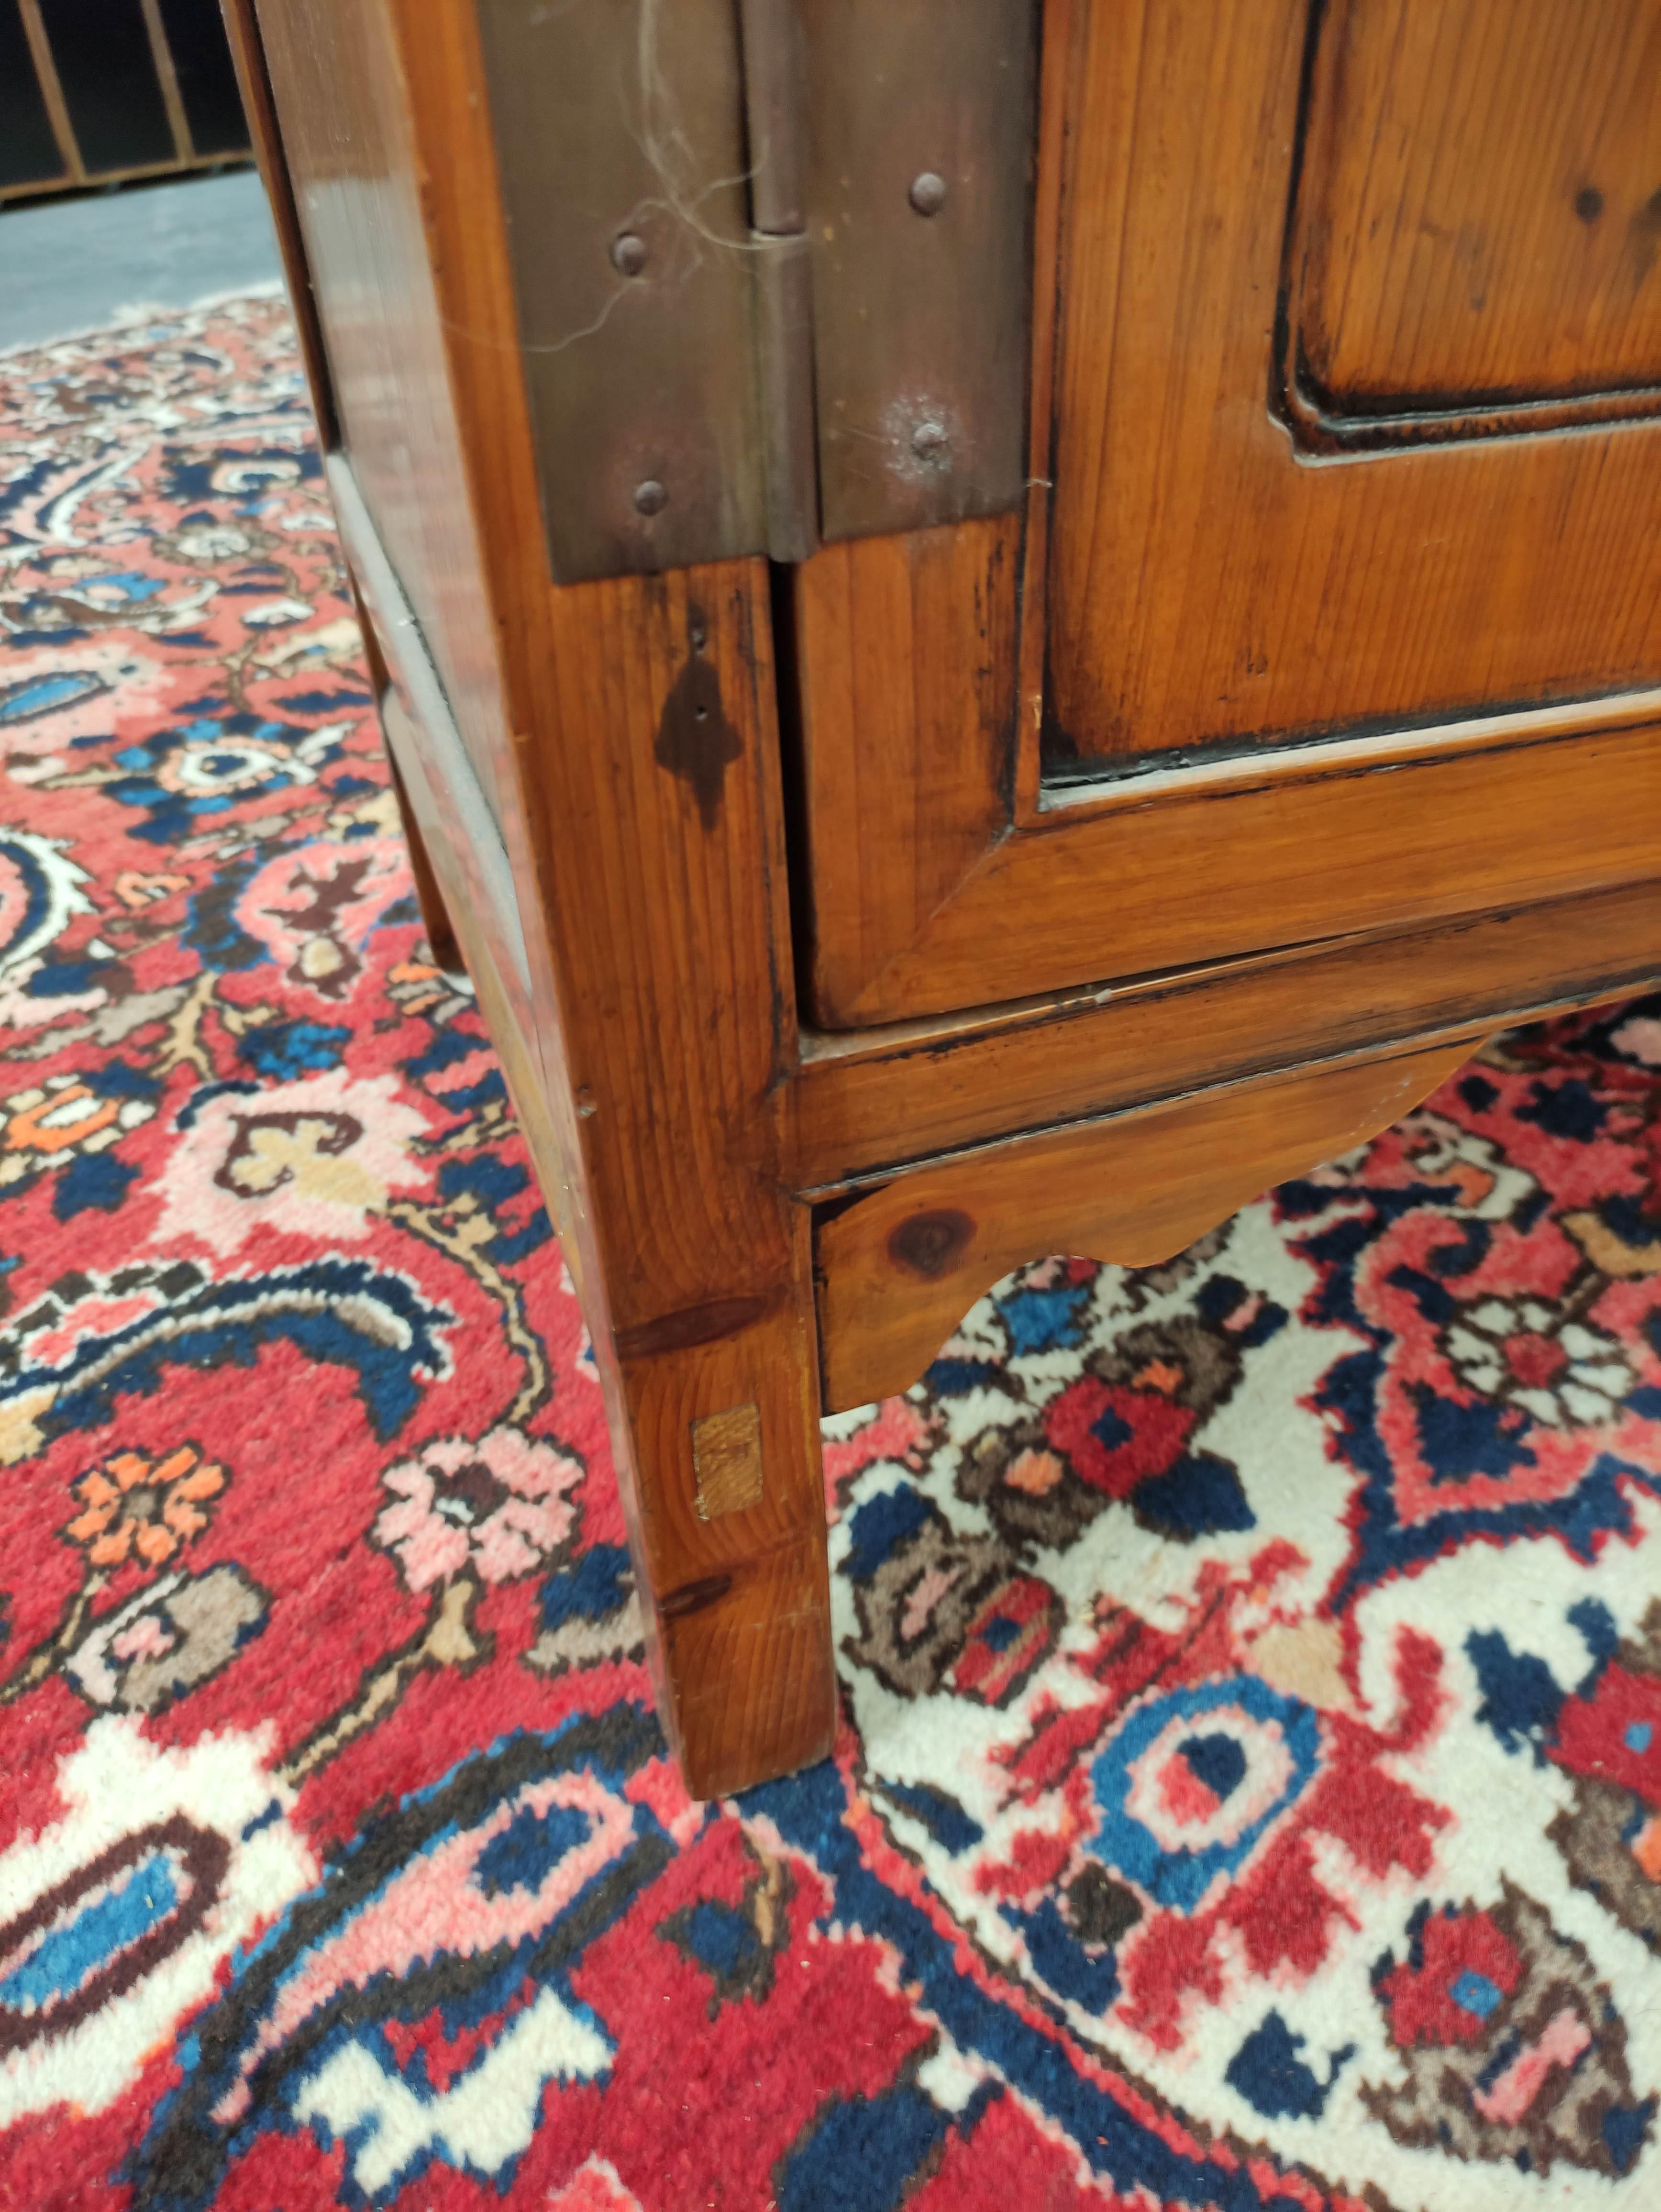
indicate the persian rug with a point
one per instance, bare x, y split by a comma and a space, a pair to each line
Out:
1249, 1793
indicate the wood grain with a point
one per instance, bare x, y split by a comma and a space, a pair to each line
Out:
359, 184
905, 684
726, 1457
441, 941
1478, 217
595, 772
898, 1269
482, 947
881, 1098
1205, 588
1287, 854
442, 944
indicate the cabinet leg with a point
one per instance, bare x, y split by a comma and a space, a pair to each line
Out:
642, 1039
721, 1423
434, 915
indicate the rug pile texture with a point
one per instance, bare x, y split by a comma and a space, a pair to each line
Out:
1248, 1792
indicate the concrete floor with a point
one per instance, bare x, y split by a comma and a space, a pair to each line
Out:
75, 265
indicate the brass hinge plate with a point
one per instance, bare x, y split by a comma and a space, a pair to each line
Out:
918, 124
772, 266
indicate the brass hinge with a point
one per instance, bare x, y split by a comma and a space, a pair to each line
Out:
772, 263
774, 100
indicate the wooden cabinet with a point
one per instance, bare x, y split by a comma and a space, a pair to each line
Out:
1208, 676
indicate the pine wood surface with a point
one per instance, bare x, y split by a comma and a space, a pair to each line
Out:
1206, 587
254, 82
899, 1267
905, 657
349, 149
441, 940
1267, 855
877, 1099
1517, 273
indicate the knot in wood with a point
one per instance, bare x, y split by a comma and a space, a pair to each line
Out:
931, 1244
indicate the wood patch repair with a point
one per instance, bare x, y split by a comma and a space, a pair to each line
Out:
726, 1460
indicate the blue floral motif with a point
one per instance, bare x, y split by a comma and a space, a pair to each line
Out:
1219, 1762
204, 767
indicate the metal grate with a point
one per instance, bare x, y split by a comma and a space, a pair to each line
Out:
105, 92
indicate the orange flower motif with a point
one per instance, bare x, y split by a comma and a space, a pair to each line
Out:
51, 1121
133, 1504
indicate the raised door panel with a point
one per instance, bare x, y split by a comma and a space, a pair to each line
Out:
1326, 269
1476, 223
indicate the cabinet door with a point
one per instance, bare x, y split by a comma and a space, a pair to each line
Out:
1334, 602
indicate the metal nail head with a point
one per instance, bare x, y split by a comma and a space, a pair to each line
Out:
628, 253
650, 497
928, 193
929, 442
